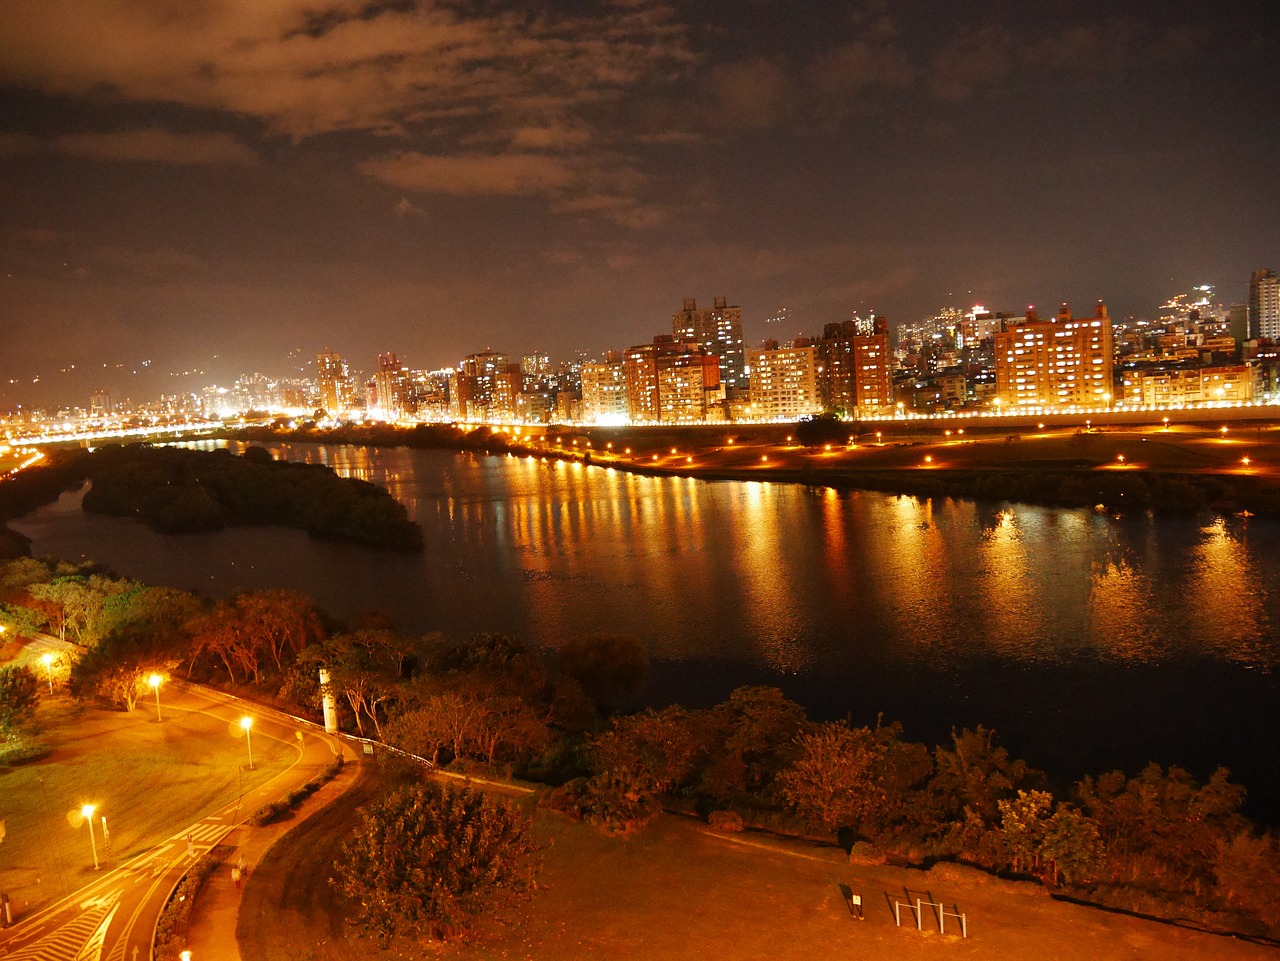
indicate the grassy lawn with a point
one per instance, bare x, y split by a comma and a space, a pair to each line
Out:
148, 779
678, 892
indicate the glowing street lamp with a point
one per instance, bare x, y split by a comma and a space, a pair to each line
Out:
87, 811
47, 661
247, 723
155, 681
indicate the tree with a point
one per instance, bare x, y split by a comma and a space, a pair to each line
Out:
279, 623
19, 694
1246, 867
1163, 826
653, 751
754, 735
426, 861
833, 782
609, 667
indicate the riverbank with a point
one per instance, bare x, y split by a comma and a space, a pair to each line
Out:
1230, 465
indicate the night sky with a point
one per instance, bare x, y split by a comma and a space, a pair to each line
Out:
233, 185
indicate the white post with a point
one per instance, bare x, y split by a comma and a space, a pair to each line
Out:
919, 914
329, 703
942, 920
897, 912
92, 843
964, 927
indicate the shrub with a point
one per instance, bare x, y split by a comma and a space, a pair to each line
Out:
728, 821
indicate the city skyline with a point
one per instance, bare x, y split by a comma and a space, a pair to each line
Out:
216, 189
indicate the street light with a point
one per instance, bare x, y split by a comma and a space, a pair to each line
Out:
247, 723
47, 661
87, 811
155, 680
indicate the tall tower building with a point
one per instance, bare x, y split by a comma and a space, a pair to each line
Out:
337, 392
873, 367
717, 331
392, 386
1264, 304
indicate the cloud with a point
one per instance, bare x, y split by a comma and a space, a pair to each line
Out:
407, 210
473, 174
358, 66
750, 94
153, 145
159, 265
872, 59
18, 145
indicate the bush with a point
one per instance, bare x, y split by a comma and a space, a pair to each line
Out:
269, 812
427, 860
728, 821
175, 919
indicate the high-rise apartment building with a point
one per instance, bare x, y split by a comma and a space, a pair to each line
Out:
873, 368
1063, 362
391, 387
718, 331
784, 383
604, 392
689, 387
337, 390
672, 382
1264, 304
855, 366
473, 389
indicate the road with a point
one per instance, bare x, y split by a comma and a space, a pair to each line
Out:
114, 917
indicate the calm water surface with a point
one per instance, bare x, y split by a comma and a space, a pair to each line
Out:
1087, 642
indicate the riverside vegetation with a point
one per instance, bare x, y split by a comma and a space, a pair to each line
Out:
178, 491
1157, 841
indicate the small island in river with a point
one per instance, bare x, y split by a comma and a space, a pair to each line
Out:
179, 491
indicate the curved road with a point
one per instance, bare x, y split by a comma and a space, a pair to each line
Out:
114, 917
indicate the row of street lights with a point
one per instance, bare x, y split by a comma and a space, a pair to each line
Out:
88, 810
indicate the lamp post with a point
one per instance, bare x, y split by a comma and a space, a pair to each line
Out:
87, 811
247, 723
47, 661
155, 680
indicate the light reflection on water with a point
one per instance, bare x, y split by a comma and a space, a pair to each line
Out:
801, 578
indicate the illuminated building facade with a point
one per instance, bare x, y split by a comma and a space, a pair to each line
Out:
672, 382
718, 331
689, 387
391, 387
1192, 385
604, 392
473, 387
1065, 362
337, 390
873, 368
784, 383
1264, 304
836, 390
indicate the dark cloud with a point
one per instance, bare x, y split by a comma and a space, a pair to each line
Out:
153, 145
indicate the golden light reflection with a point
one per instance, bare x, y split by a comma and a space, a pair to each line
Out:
1123, 611
1012, 597
1229, 595
769, 604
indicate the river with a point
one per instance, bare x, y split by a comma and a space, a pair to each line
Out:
1088, 642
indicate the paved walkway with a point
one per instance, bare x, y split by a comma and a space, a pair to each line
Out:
212, 936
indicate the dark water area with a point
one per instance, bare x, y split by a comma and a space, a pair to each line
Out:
1088, 642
